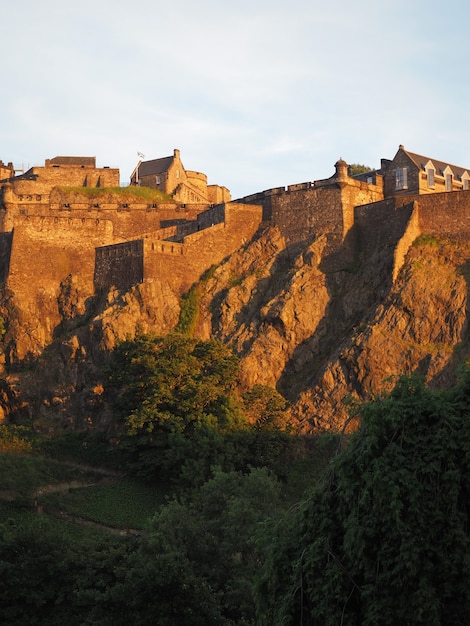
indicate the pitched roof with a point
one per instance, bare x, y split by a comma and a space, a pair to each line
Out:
440, 166
72, 160
156, 166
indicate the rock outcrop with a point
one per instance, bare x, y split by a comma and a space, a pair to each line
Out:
323, 337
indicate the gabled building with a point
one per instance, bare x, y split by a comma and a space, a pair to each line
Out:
409, 173
169, 175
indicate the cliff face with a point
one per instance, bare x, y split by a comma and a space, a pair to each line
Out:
325, 338
321, 336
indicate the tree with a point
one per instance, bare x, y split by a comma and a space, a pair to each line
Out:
358, 168
385, 539
266, 408
214, 532
176, 397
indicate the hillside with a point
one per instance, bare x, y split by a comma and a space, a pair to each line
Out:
322, 337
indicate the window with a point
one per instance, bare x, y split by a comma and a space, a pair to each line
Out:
158, 180
401, 178
448, 182
465, 184
177, 173
430, 173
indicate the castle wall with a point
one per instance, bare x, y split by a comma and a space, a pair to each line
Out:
302, 212
445, 214
45, 250
130, 219
181, 264
324, 207
5, 254
120, 265
40, 180
381, 225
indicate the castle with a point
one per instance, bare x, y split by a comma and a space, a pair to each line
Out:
70, 221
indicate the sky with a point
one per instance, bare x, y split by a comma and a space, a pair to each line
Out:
254, 93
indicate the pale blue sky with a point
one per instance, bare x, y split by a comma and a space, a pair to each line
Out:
255, 93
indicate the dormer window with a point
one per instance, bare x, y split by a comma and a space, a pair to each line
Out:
430, 173
448, 178
401, 178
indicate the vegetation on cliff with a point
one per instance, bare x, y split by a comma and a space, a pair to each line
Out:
384, 539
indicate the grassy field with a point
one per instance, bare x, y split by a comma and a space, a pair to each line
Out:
26, 473
27, 481
121, 504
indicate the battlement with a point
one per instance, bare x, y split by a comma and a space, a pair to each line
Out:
104, 238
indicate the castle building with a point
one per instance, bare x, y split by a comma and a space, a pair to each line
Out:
411, 173
169, 175
53, 229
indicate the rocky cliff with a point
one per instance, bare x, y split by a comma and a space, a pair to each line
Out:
323, 337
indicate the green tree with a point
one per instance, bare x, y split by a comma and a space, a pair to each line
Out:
266, 408
176, 396
358, 168
385, 540
214, 531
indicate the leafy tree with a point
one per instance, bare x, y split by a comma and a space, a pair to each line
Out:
214, 531
385, 540
266, 408
358, 168
176, 395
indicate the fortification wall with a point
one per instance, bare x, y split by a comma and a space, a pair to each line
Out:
445, 214
302, 212
381, 225
5, 253
323, 207
45, 250
181, 264
120, 265
42, 179
130, 219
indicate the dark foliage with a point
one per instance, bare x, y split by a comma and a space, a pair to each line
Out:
385, 540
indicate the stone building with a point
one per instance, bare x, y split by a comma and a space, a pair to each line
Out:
409, 173
67, 171
169, 175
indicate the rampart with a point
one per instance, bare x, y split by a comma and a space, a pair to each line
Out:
45, 250
179, 259
121, 265
322, 207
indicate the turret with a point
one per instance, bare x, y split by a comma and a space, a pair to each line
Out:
341, 171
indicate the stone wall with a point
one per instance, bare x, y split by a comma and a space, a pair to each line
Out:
5, 253
322, 207
445, 214
178, 255
40, 180
120, 265
182, 264
45, 250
